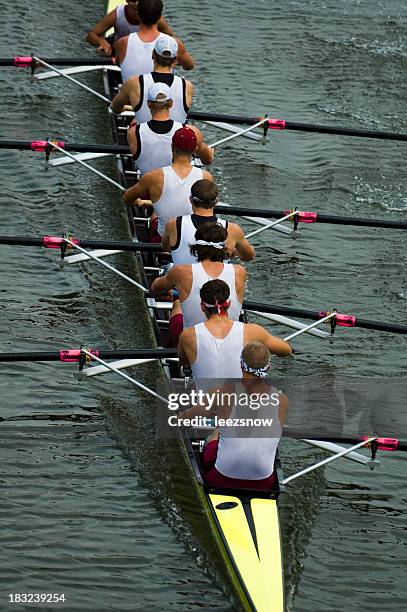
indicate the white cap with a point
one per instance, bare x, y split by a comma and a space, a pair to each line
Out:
166, 46
159, 89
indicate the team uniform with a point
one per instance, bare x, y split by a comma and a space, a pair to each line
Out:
222, 458
174, 200
186, 228
191, 307
123, 26
139, 57
177, 85
154, 144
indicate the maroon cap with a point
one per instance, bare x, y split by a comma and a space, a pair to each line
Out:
185, 139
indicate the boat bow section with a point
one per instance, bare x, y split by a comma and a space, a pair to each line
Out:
251, 536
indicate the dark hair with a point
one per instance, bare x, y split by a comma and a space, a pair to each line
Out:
210, 232
214, 291
181, 152
204, 193
149, 11
164, 61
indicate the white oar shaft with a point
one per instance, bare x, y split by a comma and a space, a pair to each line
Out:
106, 265
82, 163
240, 133
311, 468
308, 327
270, 225
66, 76
126, 376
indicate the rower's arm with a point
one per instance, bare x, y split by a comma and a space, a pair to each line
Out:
169, 237
163, 26
203, 151
244, 249
184, 59
166, 282
182, 343
139, 190
95, 36
282, 409
123, 97
276, 346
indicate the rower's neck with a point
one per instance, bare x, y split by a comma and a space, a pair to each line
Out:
162, 69
161, 115
179, 161
203, 212
148, 33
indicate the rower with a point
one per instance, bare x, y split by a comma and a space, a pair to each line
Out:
180, 232
135, 89
212, 349
167, 188
244, 456
210, 251
135, 51
124, 20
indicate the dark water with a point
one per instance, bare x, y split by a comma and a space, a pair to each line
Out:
88, 507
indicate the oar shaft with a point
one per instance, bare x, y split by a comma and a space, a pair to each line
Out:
265, 213
281, 124
67, 146
57, 355
114, 245
343, 131
313, 315
20, 61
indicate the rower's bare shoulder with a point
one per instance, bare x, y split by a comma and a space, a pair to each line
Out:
240, 270
120, 47
207, 175
235, 230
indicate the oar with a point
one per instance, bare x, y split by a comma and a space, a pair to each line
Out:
341, 320
310, 217
27, 61
281, 124
73, 355
57, 242
44, 145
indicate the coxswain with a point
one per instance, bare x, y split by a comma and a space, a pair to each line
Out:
135, 90
209, 247
168, 186
180, 232
212, 349
135, 51
243, 455
124, 20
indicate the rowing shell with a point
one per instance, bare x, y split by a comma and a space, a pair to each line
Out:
244, 523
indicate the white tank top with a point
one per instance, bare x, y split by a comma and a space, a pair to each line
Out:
123, 27
191, 307
246, 452
186, 236
139, 57
218, 357
155, 149
174, 199
179, 109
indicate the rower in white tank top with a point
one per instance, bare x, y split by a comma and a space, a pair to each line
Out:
186, 229
154, 148
218, 357
139, 57
191, 307
174, 200
123, 27
177, 85
237, 442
